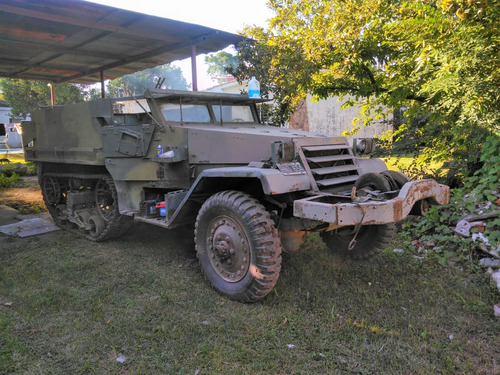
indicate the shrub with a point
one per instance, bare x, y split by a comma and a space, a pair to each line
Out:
7, 181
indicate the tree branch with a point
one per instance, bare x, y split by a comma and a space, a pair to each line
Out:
370, 75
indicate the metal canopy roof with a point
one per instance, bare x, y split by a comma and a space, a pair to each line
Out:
202, 97
74, 41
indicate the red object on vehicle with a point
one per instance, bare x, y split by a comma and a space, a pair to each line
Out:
161, 209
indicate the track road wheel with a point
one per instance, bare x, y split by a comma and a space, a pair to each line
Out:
52, 196
51, 191
238, 246
371, 239
97, 226
106, 201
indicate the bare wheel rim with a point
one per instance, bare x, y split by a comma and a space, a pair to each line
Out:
228, 248
104, 199
51, 190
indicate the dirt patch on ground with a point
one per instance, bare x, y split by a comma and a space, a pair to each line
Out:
25, 197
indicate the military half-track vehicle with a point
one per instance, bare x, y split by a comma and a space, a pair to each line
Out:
175, 158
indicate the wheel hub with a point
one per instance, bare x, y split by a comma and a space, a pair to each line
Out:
224, 250
228, 249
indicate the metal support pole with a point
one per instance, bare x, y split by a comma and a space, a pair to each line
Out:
103, 89
52, 94
193, 67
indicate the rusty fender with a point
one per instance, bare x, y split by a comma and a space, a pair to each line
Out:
372, 212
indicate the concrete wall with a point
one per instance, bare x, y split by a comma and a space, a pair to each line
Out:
327, 117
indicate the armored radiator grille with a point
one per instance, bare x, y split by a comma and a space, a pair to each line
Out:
331, 165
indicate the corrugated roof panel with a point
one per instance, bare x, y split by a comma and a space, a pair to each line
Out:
72, 41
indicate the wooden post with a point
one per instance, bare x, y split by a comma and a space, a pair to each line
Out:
103, 89
52, 94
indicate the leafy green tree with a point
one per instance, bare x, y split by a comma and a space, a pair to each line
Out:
137, 83
435, 58
220, 64
91, 92
23, 96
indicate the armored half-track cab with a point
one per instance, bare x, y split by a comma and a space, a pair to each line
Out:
176, 158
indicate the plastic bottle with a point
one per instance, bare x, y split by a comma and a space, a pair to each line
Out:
159, 150
254, 88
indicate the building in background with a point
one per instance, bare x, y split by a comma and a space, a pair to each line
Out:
10, 133
326, 116
5, 116
230, 86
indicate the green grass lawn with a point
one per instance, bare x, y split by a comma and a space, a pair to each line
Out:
8, 161
77, 305
14, 158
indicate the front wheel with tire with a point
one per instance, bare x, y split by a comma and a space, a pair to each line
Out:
396, 179
238, 246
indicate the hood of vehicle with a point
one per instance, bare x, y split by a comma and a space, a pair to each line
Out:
239, 144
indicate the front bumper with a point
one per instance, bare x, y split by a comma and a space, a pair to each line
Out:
321, 207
